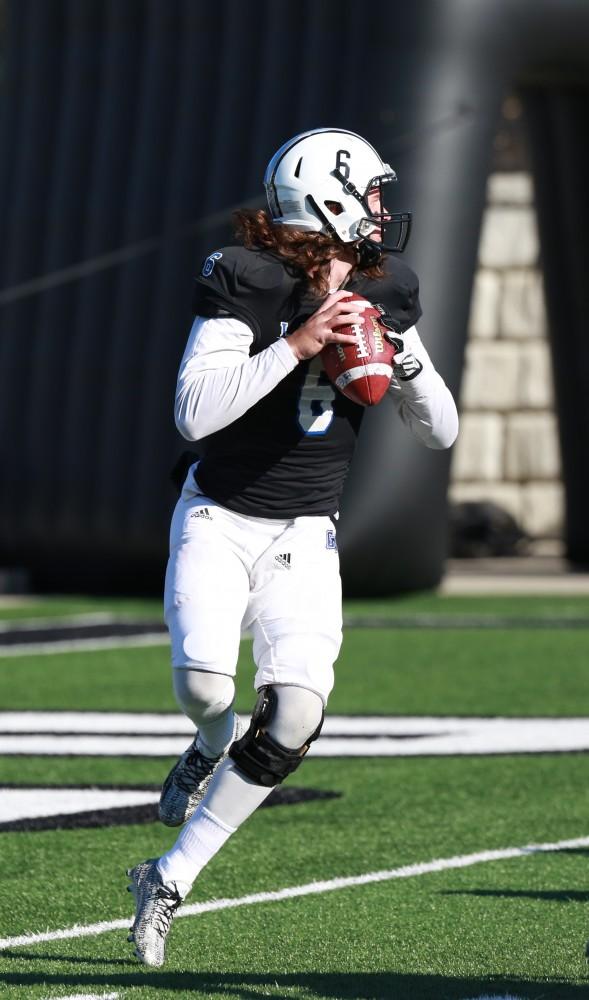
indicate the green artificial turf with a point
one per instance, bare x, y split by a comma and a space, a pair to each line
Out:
517, 921
381, 671
427, 603
569, 606
514, 927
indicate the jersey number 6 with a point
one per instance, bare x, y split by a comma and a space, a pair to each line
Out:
315, 411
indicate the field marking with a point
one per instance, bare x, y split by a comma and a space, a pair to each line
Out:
97, 996
32, 803
311, 888
8, 625
84, 645
126, 734
71, 722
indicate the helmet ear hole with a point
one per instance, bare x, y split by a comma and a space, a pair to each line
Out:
335, 207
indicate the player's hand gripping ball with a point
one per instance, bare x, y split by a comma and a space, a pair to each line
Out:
362, 371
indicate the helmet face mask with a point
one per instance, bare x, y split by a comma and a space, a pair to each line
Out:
332, 181
389, 231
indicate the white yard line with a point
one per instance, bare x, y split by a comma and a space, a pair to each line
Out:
487, 996
107, 734
311, 888
152, 723
28, 803
93, 996
173, 723
86, 645
62, 621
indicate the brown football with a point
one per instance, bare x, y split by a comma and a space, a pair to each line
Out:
362, 371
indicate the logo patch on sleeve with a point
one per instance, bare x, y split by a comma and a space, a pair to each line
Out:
209, 264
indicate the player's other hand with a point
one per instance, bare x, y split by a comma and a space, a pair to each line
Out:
323, 327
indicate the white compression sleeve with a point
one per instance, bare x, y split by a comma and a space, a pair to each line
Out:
425, 404
207, 699
218, 381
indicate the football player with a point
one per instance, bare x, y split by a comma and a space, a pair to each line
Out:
253, 536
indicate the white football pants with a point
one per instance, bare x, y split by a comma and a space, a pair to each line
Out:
279, 579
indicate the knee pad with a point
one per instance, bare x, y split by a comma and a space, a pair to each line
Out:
202, 696
259, 754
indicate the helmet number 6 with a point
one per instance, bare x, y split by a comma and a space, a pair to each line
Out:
341, 163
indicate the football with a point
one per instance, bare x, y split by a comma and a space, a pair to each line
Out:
362, 371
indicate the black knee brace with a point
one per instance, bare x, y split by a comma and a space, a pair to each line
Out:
258, 755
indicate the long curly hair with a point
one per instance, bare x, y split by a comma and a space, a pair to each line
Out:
307, 252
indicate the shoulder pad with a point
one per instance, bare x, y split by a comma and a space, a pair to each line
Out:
398, 291
231, 281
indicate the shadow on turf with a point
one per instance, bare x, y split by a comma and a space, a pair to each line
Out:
38, 957
552, 895
350, 986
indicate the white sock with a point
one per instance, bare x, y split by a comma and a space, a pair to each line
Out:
198, 842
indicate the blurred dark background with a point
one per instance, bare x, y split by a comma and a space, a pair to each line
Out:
130, 129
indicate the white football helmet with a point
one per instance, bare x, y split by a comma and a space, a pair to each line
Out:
320, 181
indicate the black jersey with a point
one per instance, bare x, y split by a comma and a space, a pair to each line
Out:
289, 454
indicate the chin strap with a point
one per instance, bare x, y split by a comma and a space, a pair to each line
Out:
369, 253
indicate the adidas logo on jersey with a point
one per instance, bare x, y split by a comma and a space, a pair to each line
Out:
284, 560
202, 512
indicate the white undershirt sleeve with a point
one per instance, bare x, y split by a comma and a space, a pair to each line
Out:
424, 403
218, 381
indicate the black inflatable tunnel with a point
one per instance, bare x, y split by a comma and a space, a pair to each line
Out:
128, 133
